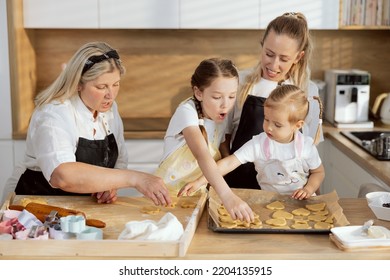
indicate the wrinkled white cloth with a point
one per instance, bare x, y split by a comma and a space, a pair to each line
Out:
167, 229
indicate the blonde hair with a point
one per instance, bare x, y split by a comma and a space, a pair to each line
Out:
66, 84
294, 100
206, 72
294, 25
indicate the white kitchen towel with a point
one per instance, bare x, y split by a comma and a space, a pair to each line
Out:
167, 229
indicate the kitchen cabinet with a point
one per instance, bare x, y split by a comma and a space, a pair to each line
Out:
342, 173
320, 14
174, 14
219, 14
153, 14
60, 14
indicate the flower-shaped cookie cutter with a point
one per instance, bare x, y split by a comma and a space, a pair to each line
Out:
72, 223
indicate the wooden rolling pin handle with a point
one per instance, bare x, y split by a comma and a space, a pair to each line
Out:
95, 223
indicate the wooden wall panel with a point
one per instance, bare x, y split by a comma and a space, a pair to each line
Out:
160, 63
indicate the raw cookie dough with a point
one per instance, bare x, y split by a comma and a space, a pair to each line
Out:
279, 222
226, 219
228, 225
316, 207
322, 212
316, 218
301, 226
151, 210
256, 223
301, 212
282, 214
222, 211
276, 205
322, 225
172, 205
329, 219
188, 204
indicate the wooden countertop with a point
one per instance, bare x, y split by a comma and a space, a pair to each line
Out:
207, 244
379, 169
283, 246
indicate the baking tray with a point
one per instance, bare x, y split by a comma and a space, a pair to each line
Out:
115, 216
257, 199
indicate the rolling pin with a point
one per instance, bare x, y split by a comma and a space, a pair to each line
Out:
41, 211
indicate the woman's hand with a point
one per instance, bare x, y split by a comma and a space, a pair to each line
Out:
154, 188
106, 197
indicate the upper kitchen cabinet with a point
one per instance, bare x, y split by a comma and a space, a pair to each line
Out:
320, 14
174, 14
60, 14
219, 14
145, 14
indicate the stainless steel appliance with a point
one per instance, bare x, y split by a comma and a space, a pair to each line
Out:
376, 143
347, 98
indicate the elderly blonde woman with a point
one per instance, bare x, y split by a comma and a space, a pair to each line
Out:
75, 142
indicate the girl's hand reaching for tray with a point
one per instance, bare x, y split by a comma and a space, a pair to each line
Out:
191, 188
237, 208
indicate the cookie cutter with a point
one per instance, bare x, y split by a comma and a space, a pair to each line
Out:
74, 227
28, 220
72, 223
90, 233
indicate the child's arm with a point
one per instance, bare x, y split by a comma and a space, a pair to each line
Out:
224, 165
224, 148
237, 208
314, 181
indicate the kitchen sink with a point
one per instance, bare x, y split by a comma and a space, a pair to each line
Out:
376, 143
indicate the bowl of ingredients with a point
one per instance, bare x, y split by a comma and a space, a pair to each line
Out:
380, 205
373, 195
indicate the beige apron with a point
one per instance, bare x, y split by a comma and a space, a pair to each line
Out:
181, 167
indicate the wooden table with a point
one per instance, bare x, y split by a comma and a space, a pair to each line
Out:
207, 244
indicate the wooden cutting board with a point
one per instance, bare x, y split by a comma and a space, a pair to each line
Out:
115, 216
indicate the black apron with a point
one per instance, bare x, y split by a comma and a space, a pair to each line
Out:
251, 123
96, 152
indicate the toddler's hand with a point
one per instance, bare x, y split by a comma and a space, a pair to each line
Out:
301, 194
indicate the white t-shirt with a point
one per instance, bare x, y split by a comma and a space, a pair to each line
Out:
263, 89
185, 116
255, 151
54, 132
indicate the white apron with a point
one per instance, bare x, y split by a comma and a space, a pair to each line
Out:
181, 167
283, 176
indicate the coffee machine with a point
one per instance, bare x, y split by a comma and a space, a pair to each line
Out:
347, 98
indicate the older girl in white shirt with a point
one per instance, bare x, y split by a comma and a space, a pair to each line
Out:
196, 131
